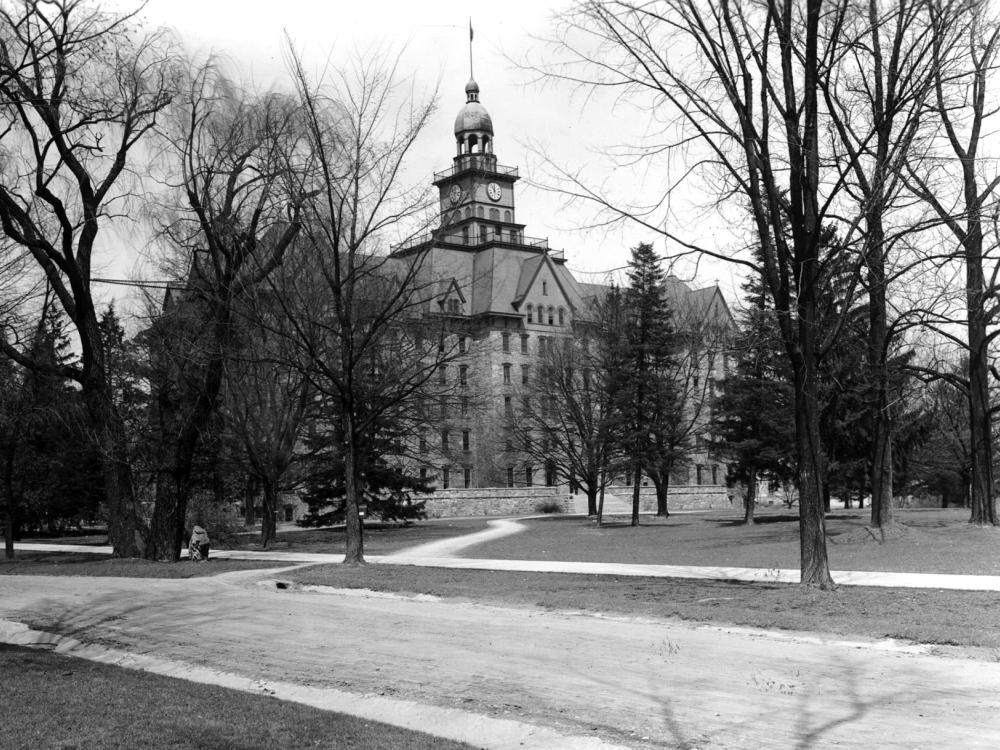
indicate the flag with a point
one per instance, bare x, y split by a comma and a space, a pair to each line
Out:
470, 29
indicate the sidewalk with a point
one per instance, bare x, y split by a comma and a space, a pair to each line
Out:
443, 554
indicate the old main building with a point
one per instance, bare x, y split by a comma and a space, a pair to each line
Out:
514, 296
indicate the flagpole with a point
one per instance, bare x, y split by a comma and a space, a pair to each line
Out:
470, 48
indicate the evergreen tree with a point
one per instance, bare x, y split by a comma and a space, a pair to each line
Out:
645, 392
753, 420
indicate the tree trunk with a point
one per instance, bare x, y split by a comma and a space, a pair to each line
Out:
173, 493
881, 449
636, 489
8, 506
980, 429
354, 553
592, 491
662, 493
124, 528
268, 515
249, 500
600, 504
750, 502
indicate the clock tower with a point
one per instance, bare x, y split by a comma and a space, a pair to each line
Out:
477, 194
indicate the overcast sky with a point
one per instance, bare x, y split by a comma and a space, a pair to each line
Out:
527, 116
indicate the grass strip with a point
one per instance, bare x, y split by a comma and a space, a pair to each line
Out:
57, 701
953, 618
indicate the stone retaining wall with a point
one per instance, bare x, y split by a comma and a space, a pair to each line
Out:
494, 501
683, 497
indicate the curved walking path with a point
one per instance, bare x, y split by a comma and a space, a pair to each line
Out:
507, 678
444, 554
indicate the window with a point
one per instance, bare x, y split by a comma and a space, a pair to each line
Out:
506, 342
423, 443
550, 475
467, 477
444, 408
545, 288
443, 372
562, 316
524, 343
445, 477
444, 440
465, 406
715, 473
453, 306
423, 473
699, 470
465, 440
508, 410
506, 373
463, 374
524, 374
530, 308
526, 403
465, 235
461, 344
289, 513
479, 211
510, 476
506, 216
494, 214
527, 475
551, 318
628, 478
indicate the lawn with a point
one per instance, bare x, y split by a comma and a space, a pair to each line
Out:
91, 564
56, 701
929, 541
380, 538
961, 618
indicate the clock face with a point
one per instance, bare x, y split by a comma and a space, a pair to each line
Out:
455, 194
493, 190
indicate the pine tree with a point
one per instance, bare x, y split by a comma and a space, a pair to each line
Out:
644, 390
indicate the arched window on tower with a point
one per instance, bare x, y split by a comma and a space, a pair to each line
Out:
506, 216
479, 211
473, 142
551, 318
494, 214
530, 309
468, 211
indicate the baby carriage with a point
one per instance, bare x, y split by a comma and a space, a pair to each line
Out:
198, 547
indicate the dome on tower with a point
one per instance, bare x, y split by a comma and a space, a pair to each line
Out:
473, 115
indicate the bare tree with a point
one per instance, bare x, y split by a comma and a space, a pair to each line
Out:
265, 407
358, 313
876, 101
79, 88
965, 106
235, 163
568, 422
739, 85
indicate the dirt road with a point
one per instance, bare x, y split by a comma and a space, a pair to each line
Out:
638, 683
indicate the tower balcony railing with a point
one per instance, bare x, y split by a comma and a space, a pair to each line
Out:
483, 162
509, 238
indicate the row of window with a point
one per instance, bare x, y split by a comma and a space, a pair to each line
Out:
446, 441
702, 474
505, 337
494, 214
445, 476
542, 314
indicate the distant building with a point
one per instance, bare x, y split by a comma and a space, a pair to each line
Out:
510, 296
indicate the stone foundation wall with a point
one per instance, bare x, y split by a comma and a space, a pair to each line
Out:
494, 501
683, 497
